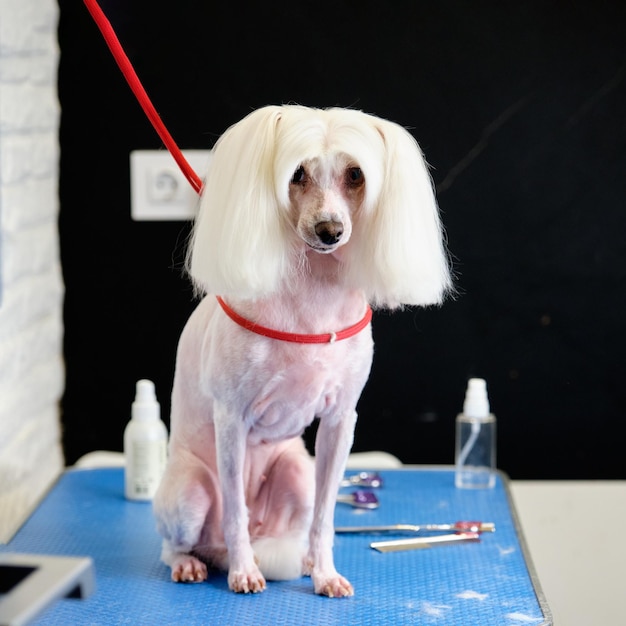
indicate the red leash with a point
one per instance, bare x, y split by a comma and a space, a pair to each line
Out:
140, 93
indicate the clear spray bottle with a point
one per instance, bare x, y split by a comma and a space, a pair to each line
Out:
145, 444
475, 452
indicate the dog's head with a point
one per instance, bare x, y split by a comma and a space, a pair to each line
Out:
336, 181
325, 193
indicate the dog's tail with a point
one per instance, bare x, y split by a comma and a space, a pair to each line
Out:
281, 558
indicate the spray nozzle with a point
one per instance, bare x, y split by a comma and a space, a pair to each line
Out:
476, 403
145, 405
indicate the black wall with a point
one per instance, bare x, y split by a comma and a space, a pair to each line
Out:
520, 108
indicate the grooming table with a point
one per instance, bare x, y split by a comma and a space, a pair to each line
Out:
490, 582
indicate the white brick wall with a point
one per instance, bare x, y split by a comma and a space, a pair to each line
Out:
31, 292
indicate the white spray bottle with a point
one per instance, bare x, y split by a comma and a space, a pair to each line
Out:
475, 452
145, 445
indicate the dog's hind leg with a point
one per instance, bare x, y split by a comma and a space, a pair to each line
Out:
184, 506
186, 568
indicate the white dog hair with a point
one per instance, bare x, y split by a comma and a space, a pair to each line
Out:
243, 232
306, 216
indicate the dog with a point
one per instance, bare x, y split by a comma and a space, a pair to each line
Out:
308, 218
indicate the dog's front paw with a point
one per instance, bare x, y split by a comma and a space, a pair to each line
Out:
335, 586
188, 569
250, 581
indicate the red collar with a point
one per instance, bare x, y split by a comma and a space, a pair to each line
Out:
297, 337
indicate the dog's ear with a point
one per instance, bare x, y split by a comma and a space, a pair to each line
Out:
400, 249
239, 243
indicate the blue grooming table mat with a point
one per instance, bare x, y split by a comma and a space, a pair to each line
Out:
484, 583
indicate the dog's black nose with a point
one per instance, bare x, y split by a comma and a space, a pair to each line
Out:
329, 232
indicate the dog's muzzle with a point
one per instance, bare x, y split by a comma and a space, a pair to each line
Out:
329, 233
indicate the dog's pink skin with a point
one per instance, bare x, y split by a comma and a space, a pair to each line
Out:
238, 468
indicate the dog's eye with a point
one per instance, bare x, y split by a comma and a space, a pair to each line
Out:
299, 176
354, 177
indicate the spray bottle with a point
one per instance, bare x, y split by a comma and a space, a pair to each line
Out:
145, 444
475, 439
